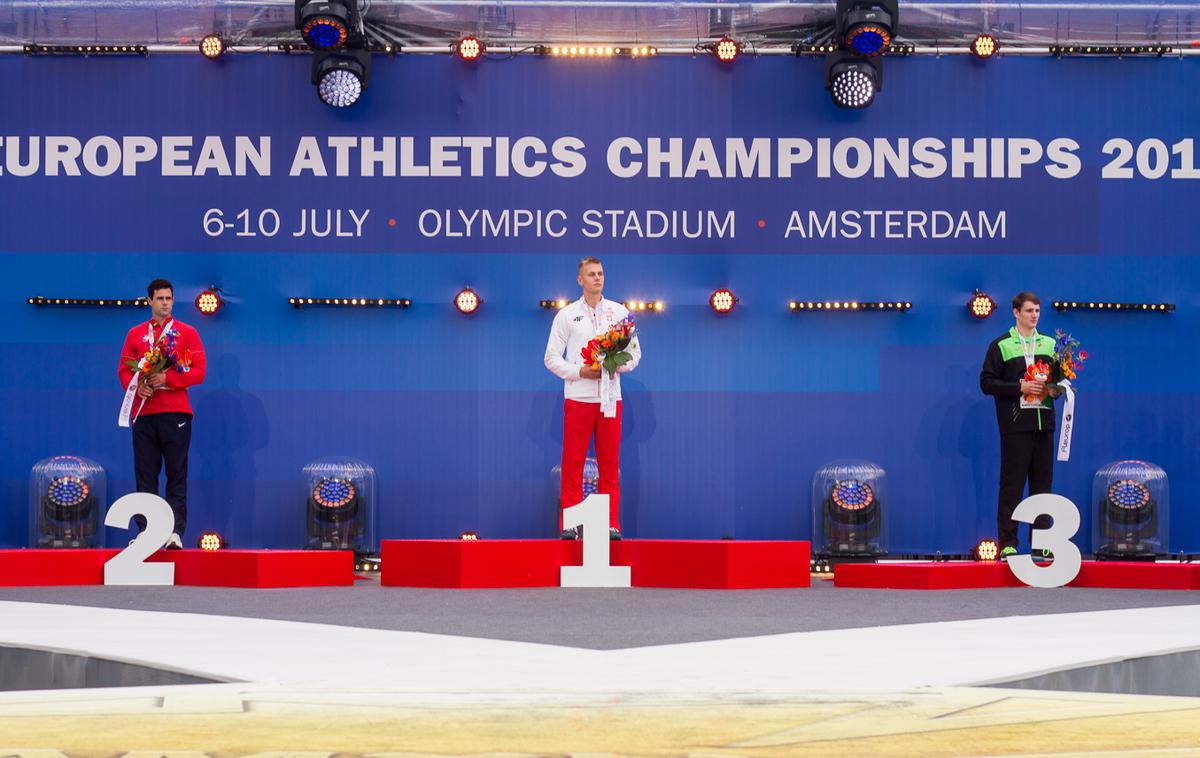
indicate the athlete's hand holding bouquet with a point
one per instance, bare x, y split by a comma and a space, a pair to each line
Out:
607, 350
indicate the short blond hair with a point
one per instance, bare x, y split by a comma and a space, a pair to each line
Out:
586, 260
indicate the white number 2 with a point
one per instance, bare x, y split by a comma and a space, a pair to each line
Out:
129, 566
592, 515
1056, 539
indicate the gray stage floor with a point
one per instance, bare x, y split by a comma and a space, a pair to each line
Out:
605, 619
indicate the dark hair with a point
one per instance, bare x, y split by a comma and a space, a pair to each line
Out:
159, 284
1021, 298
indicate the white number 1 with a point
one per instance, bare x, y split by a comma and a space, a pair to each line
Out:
592, 515
1056, 539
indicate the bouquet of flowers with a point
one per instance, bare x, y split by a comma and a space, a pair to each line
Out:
162, 355
1068, 358
608, 349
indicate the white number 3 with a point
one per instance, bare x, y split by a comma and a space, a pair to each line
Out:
1056, 539
129, 566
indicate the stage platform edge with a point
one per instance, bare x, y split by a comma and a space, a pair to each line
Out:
962, 575
684, 564
257, 569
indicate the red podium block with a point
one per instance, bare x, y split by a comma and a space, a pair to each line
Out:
1138, 575
704, 564
954, 575
721, 564
472, 563
260, 568
52, 568
199, 568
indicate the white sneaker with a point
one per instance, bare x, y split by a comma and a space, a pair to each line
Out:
174, 542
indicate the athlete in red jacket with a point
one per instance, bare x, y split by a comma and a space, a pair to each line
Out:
160, 414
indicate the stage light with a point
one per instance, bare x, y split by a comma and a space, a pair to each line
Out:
469, 537
350, 302
67, 496
866, 26
849, 306
67, 513
211, 542
469, 48
722, 301
104, 302
467, 301
653, 306
727, 50
1103, 306
212, 46
851, 512
1120, 51
852, 81
334, 514
594, 51
984, 46
981, 305
1128, 521
341, 77
209, 301
986, 550
557, 305
85, 50
852, 495
326, 25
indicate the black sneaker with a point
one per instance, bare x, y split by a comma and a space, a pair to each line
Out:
614, 533
573, 533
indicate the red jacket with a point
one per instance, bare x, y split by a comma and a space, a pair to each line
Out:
173, 398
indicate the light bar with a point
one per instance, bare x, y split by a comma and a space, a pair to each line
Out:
104, 302
595, 51
900, 49
1089, 305
1118, 50
843, 306
350, 302
86, 50
653, 306
557, 304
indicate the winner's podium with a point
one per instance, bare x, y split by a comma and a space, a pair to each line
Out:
698, 564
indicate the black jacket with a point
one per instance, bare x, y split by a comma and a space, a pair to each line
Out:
1003, 370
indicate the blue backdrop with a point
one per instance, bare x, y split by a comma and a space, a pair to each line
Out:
726, 419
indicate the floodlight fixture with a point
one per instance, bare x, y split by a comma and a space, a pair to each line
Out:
212, 46
984, 46
327, 25
981, 305
469, 48
211, 542
722, 300
467, 300
341, 76
866, 26
209, 301
851, 79
727, 50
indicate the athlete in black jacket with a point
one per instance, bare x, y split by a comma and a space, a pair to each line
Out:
1024, 414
